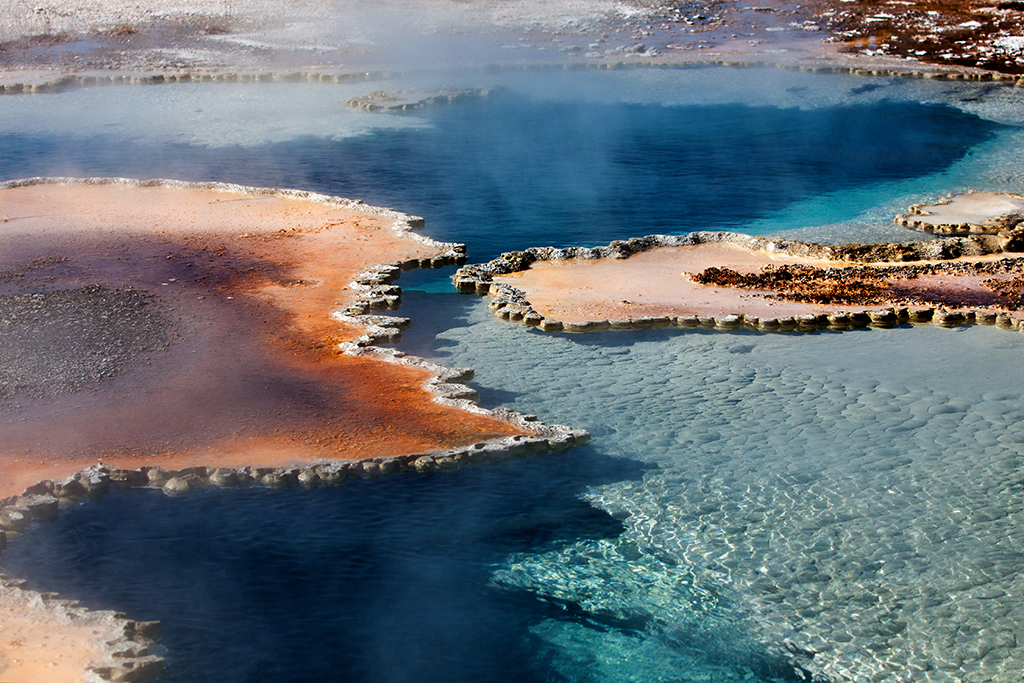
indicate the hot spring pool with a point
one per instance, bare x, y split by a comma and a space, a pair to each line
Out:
752, 507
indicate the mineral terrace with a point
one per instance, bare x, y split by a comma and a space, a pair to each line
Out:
726, 280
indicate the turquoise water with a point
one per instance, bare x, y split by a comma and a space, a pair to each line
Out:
752, 507
855, 495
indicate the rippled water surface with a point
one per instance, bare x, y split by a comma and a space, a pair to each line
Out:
855, 495
752, 507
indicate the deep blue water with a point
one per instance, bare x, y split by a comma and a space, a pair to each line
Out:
512, 171
599, 565
380, 580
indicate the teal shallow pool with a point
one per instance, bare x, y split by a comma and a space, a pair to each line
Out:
752, 507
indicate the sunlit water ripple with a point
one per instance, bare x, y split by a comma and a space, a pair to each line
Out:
752, 505
856, 495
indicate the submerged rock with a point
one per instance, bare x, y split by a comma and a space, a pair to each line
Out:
409, 100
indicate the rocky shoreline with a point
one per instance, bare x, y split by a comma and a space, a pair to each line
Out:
125, 646
381, 100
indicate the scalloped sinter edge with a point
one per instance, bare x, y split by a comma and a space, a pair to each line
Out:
68, 81
510, 303
127, 651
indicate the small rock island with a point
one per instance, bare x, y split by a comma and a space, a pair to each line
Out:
726, 280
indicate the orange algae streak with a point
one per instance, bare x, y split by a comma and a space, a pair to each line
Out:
246, 370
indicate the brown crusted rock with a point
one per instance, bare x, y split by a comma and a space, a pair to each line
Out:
1012, 241
561, 442
176, 486
728, 323
860, 319
142, 630
41, 508
333, 474
309, 478
808, 322
225, 477
944, 318
14, 518
886, 317
575, 327
138, 670
281, 478
129, 650
533, 319
518, 260
921, 315
465, 284
446, 463
44, 487
70, 488
96, 482
653, 322
425, 464
390, 466
123, 480
156, 475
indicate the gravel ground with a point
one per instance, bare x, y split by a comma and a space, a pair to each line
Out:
63, 341
988, 34
212, 35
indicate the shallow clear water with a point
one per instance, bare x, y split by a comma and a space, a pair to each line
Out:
751, 507
857, 495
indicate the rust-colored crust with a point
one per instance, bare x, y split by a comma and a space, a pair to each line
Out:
256, 376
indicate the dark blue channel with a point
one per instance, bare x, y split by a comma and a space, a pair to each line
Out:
382, 580
510, 172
